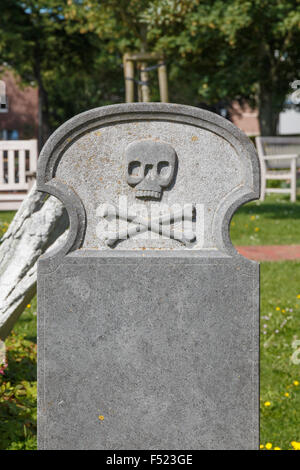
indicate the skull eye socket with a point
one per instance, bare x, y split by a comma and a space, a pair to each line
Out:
163, 169
134, 168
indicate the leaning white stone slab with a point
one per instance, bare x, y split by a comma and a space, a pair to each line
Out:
147, 321
37, 225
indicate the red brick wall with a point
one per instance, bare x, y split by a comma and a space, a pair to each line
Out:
22, 112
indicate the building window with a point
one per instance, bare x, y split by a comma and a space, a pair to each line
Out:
6, 134
13, 135
3, 98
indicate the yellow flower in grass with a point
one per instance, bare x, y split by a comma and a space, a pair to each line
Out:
295, 445
28, 306
296, 383
252, 217
283, 310
298, 296
277, 448
101, 417
261, 446
267, 403
277, 308
256, 229
286, 394
268, 446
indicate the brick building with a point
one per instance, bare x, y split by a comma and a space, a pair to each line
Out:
245, 119
18, 109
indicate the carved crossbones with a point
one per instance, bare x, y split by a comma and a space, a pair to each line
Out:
155, 225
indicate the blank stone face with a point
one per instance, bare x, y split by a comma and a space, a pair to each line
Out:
147, 315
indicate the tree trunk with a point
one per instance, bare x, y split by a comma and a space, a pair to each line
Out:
39, 224
43, 109
268, 112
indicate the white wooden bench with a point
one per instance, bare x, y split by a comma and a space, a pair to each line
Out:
279, 159
18, 159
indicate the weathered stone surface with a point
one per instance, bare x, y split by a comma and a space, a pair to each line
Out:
37, 226
157, 334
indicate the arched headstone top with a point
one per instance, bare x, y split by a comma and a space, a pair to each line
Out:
124, 162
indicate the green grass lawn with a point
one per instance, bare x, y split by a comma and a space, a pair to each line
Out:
280, 361
5, 219
18, 386
275, 221
280, 331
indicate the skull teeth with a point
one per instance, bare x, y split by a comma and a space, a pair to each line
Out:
147, 193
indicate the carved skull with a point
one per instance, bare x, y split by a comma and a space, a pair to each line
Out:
151, 167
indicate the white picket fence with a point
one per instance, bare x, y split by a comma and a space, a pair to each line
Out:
18, 159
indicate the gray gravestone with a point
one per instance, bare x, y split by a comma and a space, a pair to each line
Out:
148, 317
